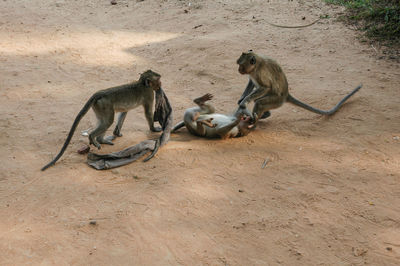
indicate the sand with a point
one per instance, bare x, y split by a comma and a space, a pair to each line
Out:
328, 195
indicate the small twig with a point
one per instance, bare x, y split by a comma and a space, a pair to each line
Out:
292, 27
388, 243
138, 203
198, 26
265, 163
100, 218
355, 118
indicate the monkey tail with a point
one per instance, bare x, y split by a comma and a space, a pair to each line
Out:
156, 147
163, 139
294, 101
78, 118
178, 126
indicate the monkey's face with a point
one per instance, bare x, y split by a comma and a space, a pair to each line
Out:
247, 63
151, 79
245, 125
156, 83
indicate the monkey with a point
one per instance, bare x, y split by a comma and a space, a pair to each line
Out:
202, 121
293, 27
271, 87
116, 99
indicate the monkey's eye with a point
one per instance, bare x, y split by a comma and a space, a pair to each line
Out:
253, 60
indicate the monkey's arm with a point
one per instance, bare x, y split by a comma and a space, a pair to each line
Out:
225, 129
148, 111
200, 129
258, 93
121, 119
207, 122
249, 88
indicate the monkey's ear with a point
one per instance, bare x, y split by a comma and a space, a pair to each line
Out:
252, 60
146, 82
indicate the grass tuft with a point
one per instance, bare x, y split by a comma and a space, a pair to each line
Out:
380, 19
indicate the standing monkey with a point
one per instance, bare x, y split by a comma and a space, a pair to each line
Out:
271, 87
116, 99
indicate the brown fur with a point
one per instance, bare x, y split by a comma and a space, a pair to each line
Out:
271, 87
117, 99
202, 121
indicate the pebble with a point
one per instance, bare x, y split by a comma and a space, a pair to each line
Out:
84, 149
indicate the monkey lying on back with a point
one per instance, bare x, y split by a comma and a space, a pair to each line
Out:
204, 122
117, 99
271, 87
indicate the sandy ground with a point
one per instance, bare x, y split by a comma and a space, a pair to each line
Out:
329, 194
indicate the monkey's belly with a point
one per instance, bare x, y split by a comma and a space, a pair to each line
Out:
125, 107
220, 120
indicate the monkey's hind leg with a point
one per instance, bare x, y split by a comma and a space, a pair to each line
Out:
205, 108
201, 100
264, 105
117, 130
105, 140
105, 118
121, 119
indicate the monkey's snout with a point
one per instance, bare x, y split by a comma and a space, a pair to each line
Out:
241, 70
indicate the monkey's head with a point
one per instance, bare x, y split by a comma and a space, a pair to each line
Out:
247, 62
246, 122
151, 79
245, 125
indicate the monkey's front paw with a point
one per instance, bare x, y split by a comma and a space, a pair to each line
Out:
108, 140
265, 115
207, 97
117, 134
201, 100
97, 145
156, 129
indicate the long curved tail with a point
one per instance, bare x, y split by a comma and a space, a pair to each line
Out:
294, 101
156, 147
165, 117
178, 126
78, 118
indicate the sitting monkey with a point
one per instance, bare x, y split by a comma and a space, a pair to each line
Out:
202, 121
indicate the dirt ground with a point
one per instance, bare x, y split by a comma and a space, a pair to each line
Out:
329, 194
